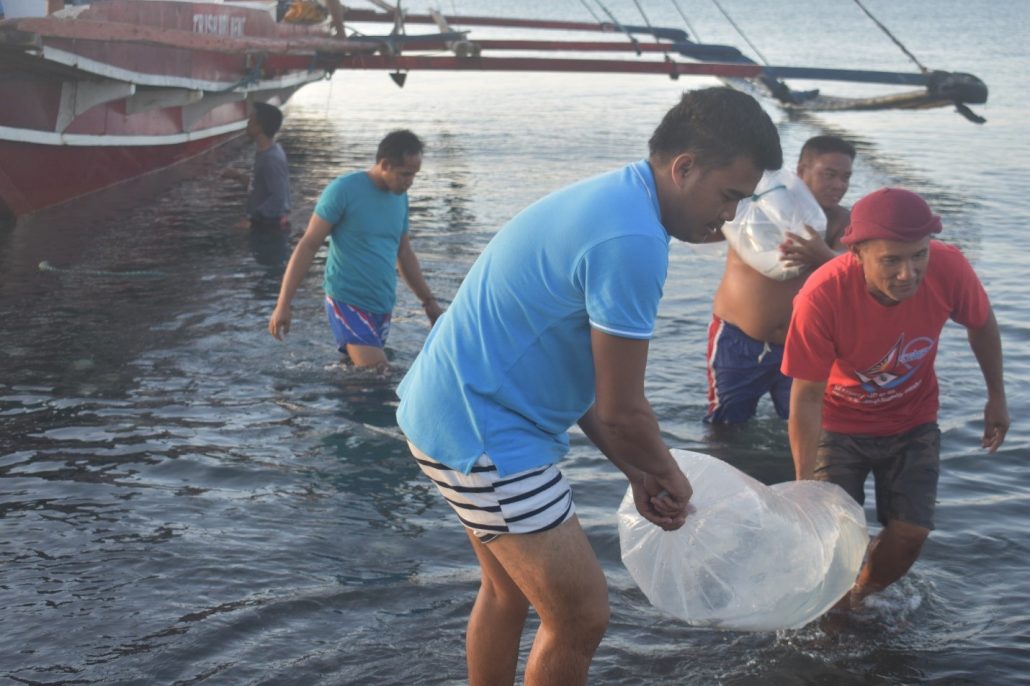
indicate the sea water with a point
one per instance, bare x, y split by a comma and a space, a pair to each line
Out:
186, 500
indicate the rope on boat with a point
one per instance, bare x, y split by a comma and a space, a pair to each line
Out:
45, 266
891, 36
693, 33
591, 11
741, 32
252, 76
647, 22
620, 27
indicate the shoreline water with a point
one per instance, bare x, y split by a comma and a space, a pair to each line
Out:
187, 500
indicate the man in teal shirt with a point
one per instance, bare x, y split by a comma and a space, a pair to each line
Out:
365, 216
549, 329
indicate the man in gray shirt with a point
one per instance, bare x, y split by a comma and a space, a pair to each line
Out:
268, 202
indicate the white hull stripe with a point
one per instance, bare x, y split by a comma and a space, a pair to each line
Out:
103, 69
8, 133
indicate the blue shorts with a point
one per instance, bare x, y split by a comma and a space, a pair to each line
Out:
354, 326
740, 371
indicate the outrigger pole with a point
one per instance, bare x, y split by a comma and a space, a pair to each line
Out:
939, 88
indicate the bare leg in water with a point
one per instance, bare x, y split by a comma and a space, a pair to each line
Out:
891, 554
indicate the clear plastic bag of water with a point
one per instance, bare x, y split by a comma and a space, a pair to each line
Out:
750, 557
781, 203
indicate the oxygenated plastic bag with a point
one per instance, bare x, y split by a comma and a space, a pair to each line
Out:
751, 557
782, 202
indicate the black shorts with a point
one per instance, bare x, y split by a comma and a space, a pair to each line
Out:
905, 469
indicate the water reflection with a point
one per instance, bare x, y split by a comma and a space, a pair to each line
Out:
271, 249
186, 500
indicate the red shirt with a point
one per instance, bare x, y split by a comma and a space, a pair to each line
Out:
877, 360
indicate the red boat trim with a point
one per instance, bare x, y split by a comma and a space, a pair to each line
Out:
408, 62
569, 46
575, 46
78, 29
387, 18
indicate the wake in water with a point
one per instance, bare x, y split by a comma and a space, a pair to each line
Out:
366, 391
883, 617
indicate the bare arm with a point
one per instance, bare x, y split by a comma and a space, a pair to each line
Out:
313, 238
985, 343
411, 272
805, 251
812, 250
837, 222
805, 423
622, 424
237, 175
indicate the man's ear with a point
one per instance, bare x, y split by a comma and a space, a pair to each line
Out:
682, 164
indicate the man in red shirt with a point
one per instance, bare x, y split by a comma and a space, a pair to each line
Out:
861, 347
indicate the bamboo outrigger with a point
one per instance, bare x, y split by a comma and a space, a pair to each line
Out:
933, 88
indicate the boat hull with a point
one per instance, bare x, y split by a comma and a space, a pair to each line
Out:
91, 98
33, 177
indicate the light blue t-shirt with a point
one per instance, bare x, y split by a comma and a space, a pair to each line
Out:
368, 223
508, 368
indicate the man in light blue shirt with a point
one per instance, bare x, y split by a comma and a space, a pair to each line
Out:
365, 217
551, 328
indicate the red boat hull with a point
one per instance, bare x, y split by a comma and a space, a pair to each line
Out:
33, 177
93, 97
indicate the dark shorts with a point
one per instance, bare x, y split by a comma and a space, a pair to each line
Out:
905, 469
740, 371
259, 223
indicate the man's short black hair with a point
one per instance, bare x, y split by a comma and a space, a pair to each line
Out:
397, 145
269, 118
821, 145
718, 125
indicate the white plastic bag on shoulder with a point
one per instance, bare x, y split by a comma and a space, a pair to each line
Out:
781, 202
751, 557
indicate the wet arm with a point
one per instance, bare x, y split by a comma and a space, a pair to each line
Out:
805, 424
622, 424
985, 343
300, 261
237, 175
806, 251
813, 250
411, 272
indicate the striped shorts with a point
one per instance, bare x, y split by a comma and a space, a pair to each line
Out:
489, 505
354, 326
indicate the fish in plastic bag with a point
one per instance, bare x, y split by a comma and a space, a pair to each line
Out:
750, 557
781, 202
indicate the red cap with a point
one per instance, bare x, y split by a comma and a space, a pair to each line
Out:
891, 213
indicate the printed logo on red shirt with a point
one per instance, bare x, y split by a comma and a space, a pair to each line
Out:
897, 366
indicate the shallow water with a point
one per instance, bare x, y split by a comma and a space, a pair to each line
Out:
186, 500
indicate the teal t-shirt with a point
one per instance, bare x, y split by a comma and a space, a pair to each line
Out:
368, 222
508, 368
